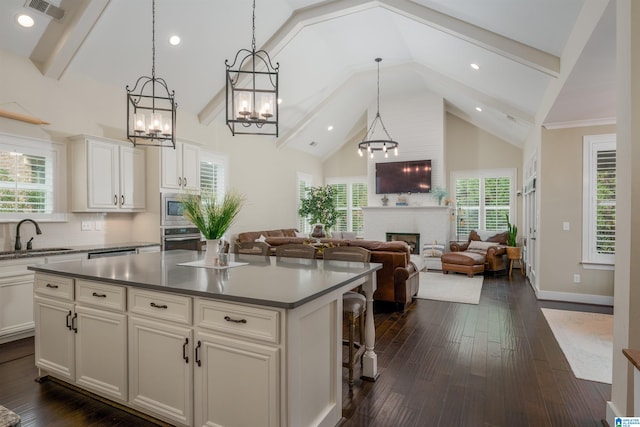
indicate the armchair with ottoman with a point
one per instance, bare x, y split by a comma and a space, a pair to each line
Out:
483, 251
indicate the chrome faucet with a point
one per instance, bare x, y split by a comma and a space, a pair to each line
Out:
18, 244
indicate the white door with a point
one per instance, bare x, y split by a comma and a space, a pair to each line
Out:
103, 162
236, 383
132, 178
161, 369
54, 342
190, 167
101, 352
171, 168
530, 221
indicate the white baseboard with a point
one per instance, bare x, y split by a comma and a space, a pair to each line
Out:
611, 413
572, 297
17, 333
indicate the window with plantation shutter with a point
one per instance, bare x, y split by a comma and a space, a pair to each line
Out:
213, 170
483, 198
599, 196
304, 182
31, 174
352, 195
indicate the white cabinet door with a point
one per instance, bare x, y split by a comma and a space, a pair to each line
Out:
55, 338
161, 369
132, 178
102, 168
171, 168
101, 352
190, 167
236, 382
180, 168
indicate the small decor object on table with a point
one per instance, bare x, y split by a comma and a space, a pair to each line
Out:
385, 200
320, 207
213, 216
440, 194
318, 231
402, 200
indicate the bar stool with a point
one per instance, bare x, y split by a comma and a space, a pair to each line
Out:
354, 305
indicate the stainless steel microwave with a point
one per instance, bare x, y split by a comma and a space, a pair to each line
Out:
171, 211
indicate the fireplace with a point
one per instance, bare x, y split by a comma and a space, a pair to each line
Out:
412, 239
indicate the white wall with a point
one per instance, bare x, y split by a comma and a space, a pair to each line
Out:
417, 124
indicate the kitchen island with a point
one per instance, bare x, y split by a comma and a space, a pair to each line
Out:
259, 343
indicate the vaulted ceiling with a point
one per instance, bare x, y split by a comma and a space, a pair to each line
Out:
543, 61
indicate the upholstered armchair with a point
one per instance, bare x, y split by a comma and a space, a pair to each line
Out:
494, 253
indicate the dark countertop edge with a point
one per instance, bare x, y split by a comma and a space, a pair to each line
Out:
222, 297
74, 249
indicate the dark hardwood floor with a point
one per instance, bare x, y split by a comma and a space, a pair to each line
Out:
440, 364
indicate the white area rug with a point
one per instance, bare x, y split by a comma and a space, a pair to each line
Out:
586, 339
450, 287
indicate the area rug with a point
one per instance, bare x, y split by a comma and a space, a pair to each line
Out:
586, 339
450, 287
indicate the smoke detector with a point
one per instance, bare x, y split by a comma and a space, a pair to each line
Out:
46, 8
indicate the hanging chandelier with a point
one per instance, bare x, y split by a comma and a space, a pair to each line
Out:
151, 111
252, 91
368, 142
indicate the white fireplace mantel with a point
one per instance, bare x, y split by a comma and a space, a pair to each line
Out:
433, 223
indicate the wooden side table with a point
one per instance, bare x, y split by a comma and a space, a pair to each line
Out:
515, 254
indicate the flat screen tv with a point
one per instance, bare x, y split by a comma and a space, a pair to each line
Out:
403, 177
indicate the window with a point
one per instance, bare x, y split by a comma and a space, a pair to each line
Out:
483, 199
304, 182
213, 173
599, 199
351, 195
30, 176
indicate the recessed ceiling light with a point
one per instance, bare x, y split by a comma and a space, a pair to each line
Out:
478, 109
330, 128
475, 66
25, 20
174, 40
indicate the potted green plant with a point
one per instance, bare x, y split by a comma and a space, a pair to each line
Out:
513, 250
320, 207
213, 216
440, 194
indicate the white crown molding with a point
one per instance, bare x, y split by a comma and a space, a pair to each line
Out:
580, 123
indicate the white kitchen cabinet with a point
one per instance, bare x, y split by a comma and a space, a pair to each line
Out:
16, 298
236, 345
160, 355
84, 339
180, 168
106, 175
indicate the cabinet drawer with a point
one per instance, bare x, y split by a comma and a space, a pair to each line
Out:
251, 322
54, 286
175, 308
101, 295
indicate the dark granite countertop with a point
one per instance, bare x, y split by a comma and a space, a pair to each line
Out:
263, 280
71, 249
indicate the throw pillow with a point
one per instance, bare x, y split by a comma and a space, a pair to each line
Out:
300, 234
261, 239
480, 247
433, 250
348, 235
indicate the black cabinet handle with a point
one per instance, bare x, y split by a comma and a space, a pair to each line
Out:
122, 200
154, 305
97, 295
179, 181
184, 350
49, 285
115, 200
229, 319
184, 181
74, 323
69, 320
198, 361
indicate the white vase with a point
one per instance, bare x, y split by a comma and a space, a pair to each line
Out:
211, 254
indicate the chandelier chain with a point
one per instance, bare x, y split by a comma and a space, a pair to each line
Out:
253, 28
153, 39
